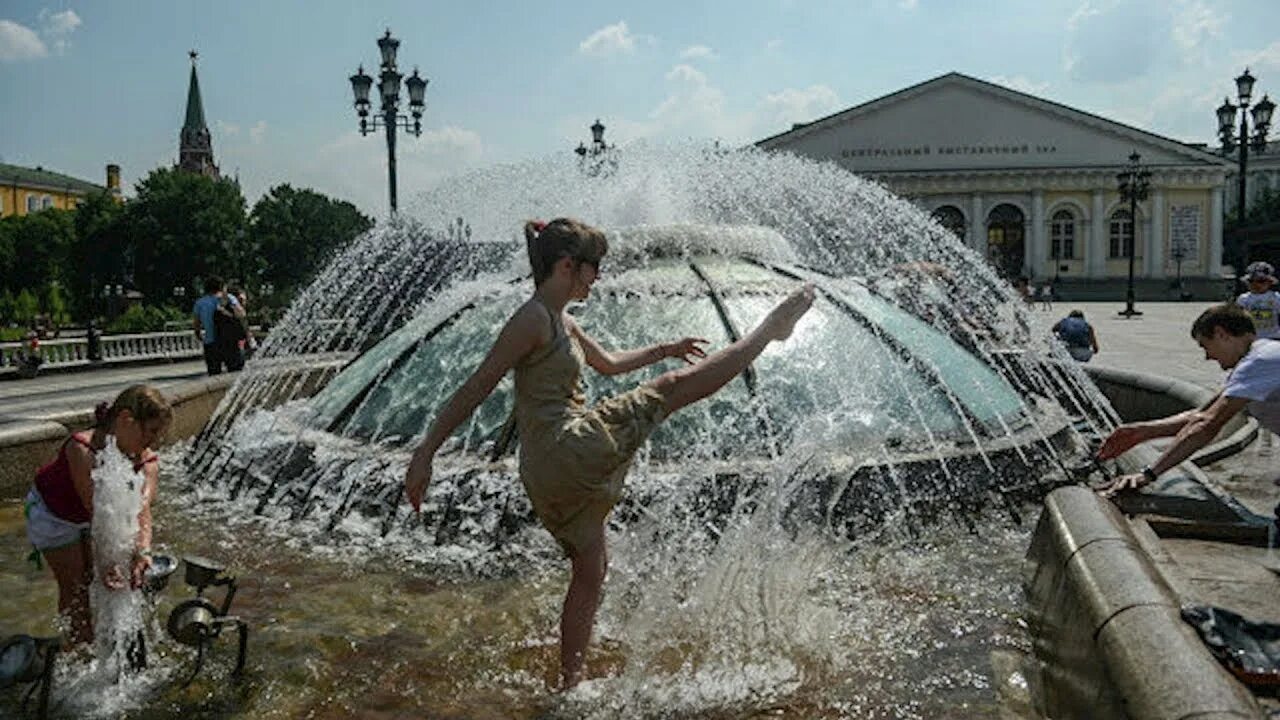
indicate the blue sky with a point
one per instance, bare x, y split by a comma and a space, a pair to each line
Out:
87, 83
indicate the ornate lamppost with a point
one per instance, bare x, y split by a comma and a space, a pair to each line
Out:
389, 117
599, 159
1135, 182
1258, 141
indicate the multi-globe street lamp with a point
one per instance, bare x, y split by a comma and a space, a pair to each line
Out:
1135, 183
389, 117
1258, 140
599, 158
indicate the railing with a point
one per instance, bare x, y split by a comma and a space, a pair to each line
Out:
73, 352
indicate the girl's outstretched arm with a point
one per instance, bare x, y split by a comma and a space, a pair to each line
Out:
142, 551
525, 331
620, 361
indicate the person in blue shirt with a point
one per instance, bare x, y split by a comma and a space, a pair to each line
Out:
1077, 334
204, 322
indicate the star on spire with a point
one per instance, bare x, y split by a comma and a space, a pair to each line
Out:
193, 55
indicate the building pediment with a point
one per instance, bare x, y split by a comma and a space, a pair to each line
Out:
956, 122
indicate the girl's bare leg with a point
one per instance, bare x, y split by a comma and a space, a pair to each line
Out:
580, 605
73, 576
690, 384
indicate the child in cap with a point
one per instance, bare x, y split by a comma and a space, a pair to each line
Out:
1262, 302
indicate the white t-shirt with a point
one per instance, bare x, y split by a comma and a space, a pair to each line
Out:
1257, 379
1264, 308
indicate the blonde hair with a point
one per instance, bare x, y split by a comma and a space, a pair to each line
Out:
143, 402
562, 237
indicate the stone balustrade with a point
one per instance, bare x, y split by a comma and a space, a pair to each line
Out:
73, 352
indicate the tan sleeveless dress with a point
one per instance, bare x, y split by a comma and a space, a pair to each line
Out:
574, 458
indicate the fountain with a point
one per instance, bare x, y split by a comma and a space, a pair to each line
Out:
835, 534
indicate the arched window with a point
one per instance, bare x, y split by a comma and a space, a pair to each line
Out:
46, 202
1062, 235
1121, 235
950, 217
1006, 230
33, 203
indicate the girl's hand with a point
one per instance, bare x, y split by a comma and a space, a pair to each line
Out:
418, 477
114, 578
686, 348
141, 563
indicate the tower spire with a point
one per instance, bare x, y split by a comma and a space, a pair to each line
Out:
195, 146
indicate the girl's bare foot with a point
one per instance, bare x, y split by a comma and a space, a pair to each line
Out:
780, 321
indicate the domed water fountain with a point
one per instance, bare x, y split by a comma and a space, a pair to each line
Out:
910, 417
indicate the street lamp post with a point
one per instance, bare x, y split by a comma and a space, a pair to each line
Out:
599, 158
1135, 182
389, 118
1261, 124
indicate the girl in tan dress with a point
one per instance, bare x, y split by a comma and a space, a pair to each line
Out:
574, 457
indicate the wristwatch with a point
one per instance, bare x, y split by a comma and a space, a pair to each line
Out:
1148, 473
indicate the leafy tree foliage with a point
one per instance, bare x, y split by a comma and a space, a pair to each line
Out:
297, 230
179, 229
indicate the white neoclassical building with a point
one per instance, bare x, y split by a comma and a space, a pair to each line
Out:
1029, 182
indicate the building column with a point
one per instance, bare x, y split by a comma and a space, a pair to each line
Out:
977, 225
1215, 234
1155, 235
1039, 244
1095, 257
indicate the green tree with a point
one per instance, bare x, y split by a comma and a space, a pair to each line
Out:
39, 243
181, 226
55, 303
98, 254
25, 307
295, 232
7, 314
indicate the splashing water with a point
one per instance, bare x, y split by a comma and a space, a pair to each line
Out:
731, 556
117, 500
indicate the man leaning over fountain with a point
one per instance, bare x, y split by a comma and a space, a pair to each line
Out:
1226, 334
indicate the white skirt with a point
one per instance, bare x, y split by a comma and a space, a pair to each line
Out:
47, 531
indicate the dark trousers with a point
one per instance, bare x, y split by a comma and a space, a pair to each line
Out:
220, 354
213, 358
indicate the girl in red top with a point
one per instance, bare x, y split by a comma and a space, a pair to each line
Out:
60, 507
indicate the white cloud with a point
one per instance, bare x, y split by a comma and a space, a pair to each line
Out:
908, 4
794, 105
698, 52
609, 40
19, 42
226, 128
59, 23
1021, 83
58, 26
1194, 22
258, 132
1264, 62
1108, 41
352, 167
773, 45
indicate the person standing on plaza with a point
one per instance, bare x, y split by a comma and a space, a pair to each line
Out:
213, 316
1227, 335
1046, 296
1078, 335
1262, 302
247, 345
574, 457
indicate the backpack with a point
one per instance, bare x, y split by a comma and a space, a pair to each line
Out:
227, 328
